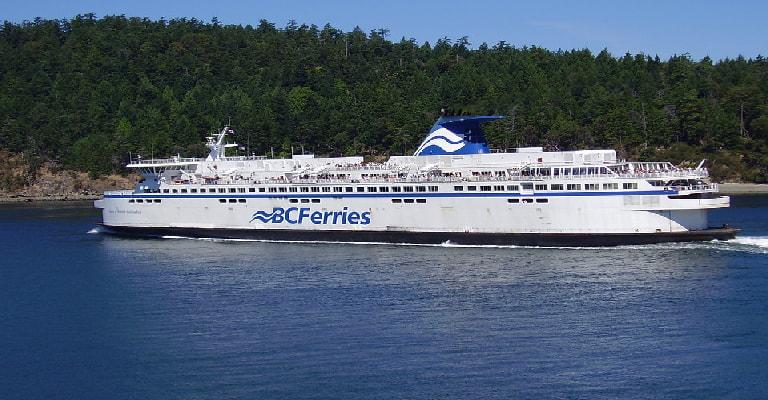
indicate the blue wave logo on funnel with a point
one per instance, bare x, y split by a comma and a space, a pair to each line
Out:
444, 139
456, 135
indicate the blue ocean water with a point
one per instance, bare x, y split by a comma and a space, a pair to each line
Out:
92, 316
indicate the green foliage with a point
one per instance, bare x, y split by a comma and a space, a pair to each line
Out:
88, 91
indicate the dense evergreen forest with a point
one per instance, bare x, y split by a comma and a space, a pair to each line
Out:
87, 92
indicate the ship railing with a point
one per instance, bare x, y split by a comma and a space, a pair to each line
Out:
189, 160
679, 173
242, 158
366, 167
172, 160
124, 192
246, 180
709, 187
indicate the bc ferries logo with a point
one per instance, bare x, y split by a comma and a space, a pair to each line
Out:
443, 138
303, 215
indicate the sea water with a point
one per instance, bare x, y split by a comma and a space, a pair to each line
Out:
87, 315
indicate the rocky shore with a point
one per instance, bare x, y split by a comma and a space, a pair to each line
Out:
68, 186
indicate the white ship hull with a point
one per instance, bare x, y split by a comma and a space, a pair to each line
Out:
433, 217
505, 199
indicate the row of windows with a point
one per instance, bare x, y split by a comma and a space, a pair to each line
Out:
410, 189
147, 201
395, 201
309, 189
151, 201
409, 201
567, 171
544, 186
304, 200
231, 200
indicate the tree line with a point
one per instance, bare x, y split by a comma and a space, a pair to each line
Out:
89, 92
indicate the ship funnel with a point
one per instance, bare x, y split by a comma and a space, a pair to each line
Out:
456, 135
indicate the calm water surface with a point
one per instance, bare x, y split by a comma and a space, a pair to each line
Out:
92, 316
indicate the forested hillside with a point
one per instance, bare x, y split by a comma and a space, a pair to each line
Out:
89, 91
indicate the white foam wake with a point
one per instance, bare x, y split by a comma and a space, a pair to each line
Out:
758, 241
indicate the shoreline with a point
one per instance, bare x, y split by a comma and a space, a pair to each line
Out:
50, 199
743, 188
725, 188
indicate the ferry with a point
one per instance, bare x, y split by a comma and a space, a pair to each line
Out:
452, 190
